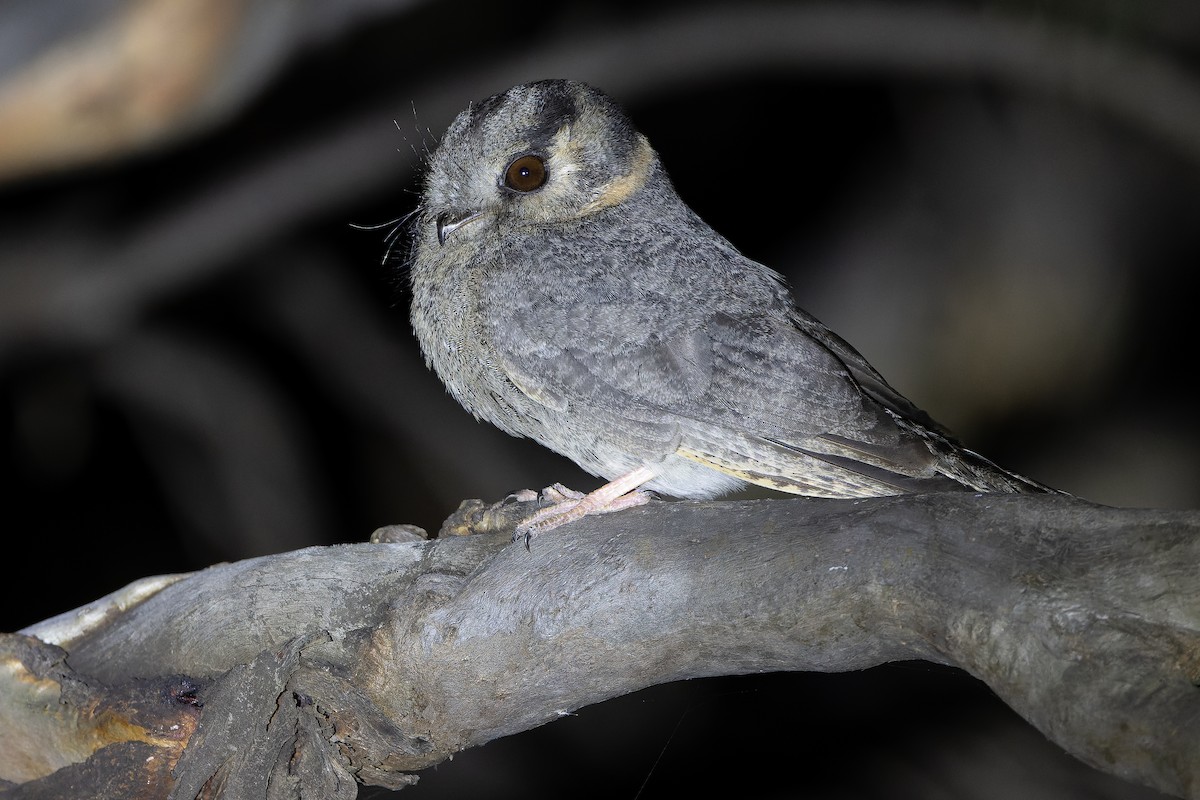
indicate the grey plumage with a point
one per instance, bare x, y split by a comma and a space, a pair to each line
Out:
597, 314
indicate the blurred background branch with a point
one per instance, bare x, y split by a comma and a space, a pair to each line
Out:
201, 360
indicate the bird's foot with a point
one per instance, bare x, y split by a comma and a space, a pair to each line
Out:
556, 494
568, 505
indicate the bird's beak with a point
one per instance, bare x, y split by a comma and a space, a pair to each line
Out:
450, 221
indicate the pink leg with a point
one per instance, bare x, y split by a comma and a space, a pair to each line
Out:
623, 492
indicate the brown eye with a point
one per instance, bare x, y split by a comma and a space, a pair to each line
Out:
525, 174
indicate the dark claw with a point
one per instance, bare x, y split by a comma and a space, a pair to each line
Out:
519, 496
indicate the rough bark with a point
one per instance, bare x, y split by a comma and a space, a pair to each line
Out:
370, 662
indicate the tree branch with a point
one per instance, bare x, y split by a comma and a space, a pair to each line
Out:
373, 661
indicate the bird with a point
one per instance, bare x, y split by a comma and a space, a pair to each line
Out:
563, 291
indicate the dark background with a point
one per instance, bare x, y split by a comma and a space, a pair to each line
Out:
203, 359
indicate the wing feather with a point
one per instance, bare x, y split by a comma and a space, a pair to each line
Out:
729, 375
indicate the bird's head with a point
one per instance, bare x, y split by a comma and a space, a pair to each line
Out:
540, 153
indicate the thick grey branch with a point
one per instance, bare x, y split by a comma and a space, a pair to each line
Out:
1085, 619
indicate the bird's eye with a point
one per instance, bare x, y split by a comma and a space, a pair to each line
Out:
525, 173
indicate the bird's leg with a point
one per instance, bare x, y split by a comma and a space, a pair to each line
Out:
569, 505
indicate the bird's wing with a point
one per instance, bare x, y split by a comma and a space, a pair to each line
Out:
865, 375
793, 417
835, 429
755, 396
613, 373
